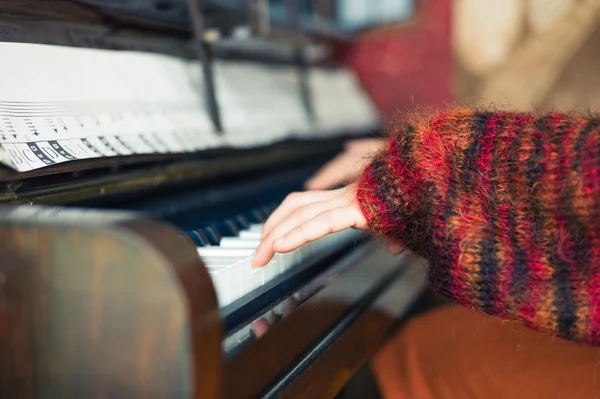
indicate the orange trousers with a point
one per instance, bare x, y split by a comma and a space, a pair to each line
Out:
454, 352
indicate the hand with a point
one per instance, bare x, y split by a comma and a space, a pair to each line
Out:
306, 217
347, 166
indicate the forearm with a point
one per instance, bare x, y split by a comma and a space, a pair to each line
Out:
506, 208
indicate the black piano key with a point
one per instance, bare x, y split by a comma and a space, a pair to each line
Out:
242, 222
202, 238
197, 238
212, 234
228, 228
264, 215
256, 216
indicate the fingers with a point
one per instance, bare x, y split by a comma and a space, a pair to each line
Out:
302, 214
292, 202
300, 231
305, 217
327, 222
335, 172
346, 166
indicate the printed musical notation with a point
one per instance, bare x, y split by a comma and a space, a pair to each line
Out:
48, 135
60, 104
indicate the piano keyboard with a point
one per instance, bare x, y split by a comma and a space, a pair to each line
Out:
228, 258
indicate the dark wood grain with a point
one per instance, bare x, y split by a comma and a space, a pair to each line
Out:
94, 306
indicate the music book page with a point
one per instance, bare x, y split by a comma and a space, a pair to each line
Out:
61, 104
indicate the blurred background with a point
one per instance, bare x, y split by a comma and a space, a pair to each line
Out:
526, 53
511, 53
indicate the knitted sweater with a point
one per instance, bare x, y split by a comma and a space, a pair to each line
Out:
506, 208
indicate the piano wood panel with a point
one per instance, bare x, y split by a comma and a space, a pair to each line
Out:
266, 368
95, 308
353, 346
81, 180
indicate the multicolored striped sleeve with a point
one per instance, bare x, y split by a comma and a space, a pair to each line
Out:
506, 207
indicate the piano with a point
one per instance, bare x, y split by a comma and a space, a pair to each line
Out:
143, 144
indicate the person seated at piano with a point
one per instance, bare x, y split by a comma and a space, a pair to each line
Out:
506, 208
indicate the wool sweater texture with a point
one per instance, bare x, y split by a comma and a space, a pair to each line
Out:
506, 208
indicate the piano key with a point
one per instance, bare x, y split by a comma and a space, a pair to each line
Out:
218, 264
227, 228
199, 239
256, 227
217, 251
212, 234
220, 278
235, 283
242, 222
235, 242
250, 234
203, 237
258, 277
233, 255
230, 259
246, 271
256, 216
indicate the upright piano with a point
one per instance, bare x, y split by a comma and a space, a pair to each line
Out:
143, 144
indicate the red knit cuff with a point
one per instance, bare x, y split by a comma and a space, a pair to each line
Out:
390, 194
372, 206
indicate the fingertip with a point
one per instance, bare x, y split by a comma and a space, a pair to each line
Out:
263, 254
257, 263
258, 260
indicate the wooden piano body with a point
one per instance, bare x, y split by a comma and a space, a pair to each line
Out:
103, 296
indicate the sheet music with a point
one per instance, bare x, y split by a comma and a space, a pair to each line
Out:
59, 104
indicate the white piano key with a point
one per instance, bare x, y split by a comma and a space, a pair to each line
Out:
235, 282
218, 251
250, 235
272, 269
216, 264
245, 269
221, 284
256, 227
258, 277
230, 259
234, 242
